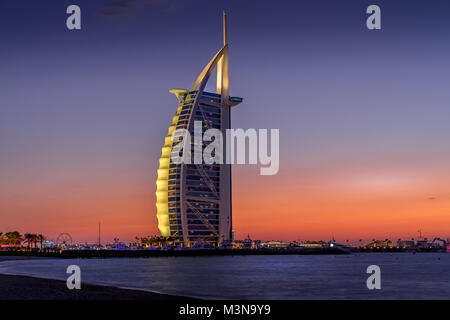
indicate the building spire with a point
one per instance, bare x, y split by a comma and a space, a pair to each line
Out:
224, 28
222, 66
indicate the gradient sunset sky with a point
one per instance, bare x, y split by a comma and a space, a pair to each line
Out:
364, 116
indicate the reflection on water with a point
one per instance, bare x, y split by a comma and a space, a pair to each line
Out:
403, 275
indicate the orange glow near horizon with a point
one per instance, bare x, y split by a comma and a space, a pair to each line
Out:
351, 206
315, 204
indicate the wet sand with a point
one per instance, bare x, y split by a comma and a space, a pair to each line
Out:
28, 288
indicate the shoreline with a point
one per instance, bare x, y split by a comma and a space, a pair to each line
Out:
70, 254
21, 287
75, 254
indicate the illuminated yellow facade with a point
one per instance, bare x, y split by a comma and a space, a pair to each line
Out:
162, 195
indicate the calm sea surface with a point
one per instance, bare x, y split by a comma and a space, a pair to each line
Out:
403, 275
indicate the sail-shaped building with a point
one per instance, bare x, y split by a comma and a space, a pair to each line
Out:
194, 200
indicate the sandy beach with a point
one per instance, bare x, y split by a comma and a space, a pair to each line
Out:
29, 288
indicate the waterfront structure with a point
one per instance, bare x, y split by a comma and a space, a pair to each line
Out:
275, 244
243, 244
194, 200
380, 244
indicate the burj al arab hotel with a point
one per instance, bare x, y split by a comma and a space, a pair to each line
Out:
194, 200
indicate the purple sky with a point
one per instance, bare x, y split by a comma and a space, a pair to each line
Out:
85, 111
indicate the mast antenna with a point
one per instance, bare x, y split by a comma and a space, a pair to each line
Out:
224, 28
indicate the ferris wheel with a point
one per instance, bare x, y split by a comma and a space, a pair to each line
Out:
64, 239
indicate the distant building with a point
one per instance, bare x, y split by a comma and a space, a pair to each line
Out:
49, 244
275, 245
238, 244
312, 244
423, 243
257, 244
243, 244
380, 244
406, 243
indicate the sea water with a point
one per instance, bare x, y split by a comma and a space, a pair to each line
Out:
403, 275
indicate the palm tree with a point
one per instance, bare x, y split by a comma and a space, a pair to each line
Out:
27, 238
35, 240
41, 239
13, 238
